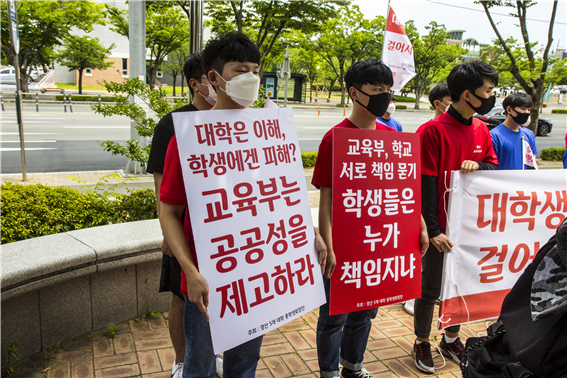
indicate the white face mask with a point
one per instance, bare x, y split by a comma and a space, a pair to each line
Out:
445, 106
391, 109
243, 89
212, 97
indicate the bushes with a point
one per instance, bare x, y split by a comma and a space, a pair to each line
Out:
309, 159
401, 106
30, 211
87, 98
552, 154
404, 99
559, 111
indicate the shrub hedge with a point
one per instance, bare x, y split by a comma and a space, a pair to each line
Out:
559, 111
309, 159
552, 154
29, 211
401, 106
404, 99
86, 98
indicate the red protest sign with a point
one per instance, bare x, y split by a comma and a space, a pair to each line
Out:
376, 219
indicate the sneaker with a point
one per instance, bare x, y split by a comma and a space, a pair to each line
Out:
362, 373
177, 370
408, 306
422, 357
454, 351
219, 364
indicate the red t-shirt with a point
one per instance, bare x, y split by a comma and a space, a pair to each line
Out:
446, 143
323, 173
172, 191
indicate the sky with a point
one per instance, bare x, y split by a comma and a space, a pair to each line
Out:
453, 15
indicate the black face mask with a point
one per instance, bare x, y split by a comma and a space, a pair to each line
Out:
486, 104
377, 104
521, 118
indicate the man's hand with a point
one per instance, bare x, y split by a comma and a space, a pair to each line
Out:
198, 292
423, 238
321, 248
331, 263
468, 166
165, 249
442, 243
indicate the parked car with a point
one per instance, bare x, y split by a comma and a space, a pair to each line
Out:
497, 115
562, 89
8, 75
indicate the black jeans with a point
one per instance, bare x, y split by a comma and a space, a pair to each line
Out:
431, 276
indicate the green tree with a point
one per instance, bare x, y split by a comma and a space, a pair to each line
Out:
431, 54
155, 100
43, 25
349, 39
166, 31
174, 65
308, 60
84, 52
532, 80
267, 21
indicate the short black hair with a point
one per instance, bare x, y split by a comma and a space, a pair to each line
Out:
470, 76
438, 92
369, 71
230, 47
193, 69
518, 99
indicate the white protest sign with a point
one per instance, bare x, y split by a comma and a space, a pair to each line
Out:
251, 219
498, 220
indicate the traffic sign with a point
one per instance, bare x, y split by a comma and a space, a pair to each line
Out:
13, 21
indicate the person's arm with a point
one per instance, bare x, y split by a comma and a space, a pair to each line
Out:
468, 166
172, 228
423, 237
431, 215
325, 227
157, 184
321, 248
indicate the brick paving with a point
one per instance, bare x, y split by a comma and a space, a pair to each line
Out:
144, 349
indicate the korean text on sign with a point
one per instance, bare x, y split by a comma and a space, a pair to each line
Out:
250, 219
376, 218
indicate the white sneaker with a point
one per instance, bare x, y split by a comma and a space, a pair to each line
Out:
177, 370
408, 306
219, 365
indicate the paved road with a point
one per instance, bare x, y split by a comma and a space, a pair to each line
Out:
69, 142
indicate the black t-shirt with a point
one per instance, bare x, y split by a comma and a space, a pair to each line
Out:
163, 133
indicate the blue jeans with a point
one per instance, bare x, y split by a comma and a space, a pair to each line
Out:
346, 332
199, 362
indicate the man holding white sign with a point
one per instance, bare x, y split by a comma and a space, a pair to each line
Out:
232, 64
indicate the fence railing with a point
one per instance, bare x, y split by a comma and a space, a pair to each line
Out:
50, 99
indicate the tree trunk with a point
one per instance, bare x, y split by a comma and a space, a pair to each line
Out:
311, 91
80, 81
24, 83
342, 86
182, 83
536, 86
174, 80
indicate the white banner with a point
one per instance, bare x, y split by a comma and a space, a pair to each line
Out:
497, 221
398, 52
251, 219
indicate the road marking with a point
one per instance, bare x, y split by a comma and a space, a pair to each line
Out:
96, 127
25, 133
29, 141
38, 122
27, 149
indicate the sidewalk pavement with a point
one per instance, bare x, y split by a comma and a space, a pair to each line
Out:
144, 349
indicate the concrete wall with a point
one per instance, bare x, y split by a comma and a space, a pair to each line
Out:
61, 286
